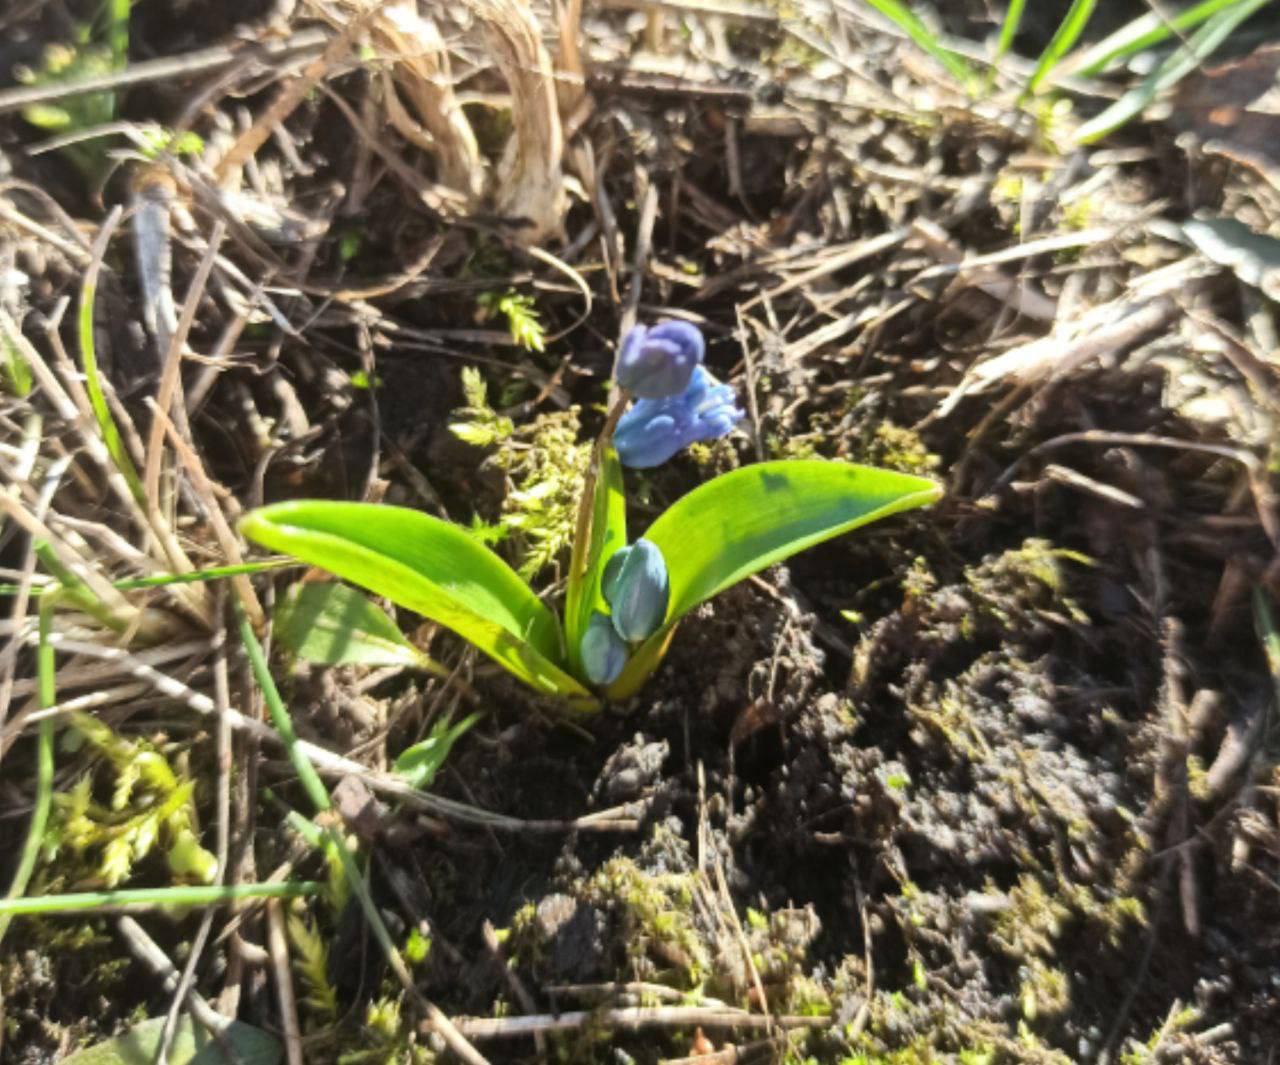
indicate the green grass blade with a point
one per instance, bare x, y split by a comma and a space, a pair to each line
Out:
117, 33
1009, 28
910, 23
741, 522
17, 371
92, 376
334, 625
1141, 34
74, 590
608, 534
280, 718
47, 696
1264, 623
420, 763
1066, 35
193, 895
1188, 58
160, 580
428, 566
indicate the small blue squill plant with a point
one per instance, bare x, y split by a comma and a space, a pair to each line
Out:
623, 600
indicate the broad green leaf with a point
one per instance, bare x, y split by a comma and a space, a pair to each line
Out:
428, 566
420, 763
608, 534
741, 522
192, 1045
334, 625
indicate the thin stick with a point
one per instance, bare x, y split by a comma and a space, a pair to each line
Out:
155, 959
332, 764
223, 806
278, 947
633, 1019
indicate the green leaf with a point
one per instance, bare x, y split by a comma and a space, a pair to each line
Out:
192, 1045
926, 39
17, 371
1185, 59
334, 625
429, 566
1140, 34
1067, 33
1009, 28
741, 522
420, 763
608, 534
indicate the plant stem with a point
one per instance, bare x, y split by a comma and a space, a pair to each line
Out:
47, 696
194, 895
311, 782
586, 504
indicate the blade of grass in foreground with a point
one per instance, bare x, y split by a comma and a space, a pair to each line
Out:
92, 375
911, 24
194, 895
1066, 35
47, 696
1009, 28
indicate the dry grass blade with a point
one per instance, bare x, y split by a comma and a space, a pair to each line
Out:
529, 182
421, 71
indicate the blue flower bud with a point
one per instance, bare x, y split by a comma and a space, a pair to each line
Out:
636, 587
604, 652
658, 362
655, 429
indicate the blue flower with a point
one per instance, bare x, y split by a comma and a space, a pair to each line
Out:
655, 429
636, 587
658, 362
604, 652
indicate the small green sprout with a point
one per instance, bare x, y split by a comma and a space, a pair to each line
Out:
622, 603
522, 320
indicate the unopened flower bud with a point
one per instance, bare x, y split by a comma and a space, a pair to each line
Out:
604, 652
636, 587
658, 362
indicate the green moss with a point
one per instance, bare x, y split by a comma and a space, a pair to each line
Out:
897, 448
543, 465
656, 915
151, 805
1024, 582
1033, 921
1045, 991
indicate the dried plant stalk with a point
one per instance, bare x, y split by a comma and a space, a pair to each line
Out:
571, 84
529, 183
422, 73
417, 88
